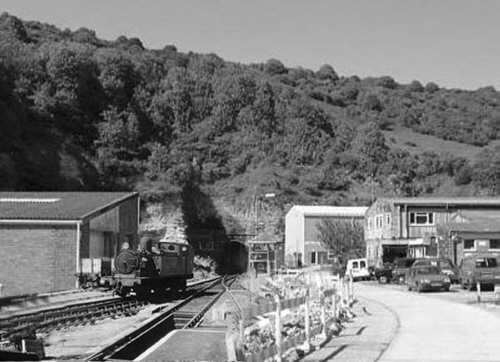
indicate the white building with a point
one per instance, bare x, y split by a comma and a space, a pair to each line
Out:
302, 243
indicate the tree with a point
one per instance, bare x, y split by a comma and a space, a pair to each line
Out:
416, 86
369, 144
431, 87
387, 82
118, 146
264, 109
487, 171
326, 72
117, 76
344, 238
274, 67
372, 103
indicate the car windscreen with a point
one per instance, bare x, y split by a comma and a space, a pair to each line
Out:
427, 270
486, 263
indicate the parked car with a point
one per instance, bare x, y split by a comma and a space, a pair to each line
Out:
384, 273
401, 267
484, 269
445, 265
427, 277
358, 268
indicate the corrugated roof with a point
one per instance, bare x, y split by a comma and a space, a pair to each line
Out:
56, 205
487, 201
316, 210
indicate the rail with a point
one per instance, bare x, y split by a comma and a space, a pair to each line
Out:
197, 319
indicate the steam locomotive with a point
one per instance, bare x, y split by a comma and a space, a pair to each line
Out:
145, 272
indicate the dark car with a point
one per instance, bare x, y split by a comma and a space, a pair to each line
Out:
445, 265
401, 267
484, 269
384, 273
423, 278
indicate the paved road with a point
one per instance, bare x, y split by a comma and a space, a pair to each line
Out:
435, 329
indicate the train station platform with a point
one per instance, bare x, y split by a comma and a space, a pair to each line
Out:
200, 344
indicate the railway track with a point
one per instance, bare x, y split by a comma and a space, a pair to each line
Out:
69, 315
186, 314
74, 314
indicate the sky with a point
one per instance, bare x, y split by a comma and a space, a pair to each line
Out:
454, 43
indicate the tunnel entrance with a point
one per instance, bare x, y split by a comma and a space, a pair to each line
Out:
236, 258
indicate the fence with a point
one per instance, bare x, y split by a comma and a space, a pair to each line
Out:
331, 302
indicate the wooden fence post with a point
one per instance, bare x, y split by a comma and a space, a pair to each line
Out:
346, 292
323, 313
334, 304
351, 289
307, 322
278, 327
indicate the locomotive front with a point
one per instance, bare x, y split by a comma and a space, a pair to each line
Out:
165, 266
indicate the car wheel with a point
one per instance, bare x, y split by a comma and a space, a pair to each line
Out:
382, 280
409, 288
446, 289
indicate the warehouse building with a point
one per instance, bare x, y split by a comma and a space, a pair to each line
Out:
431, 226
49, 240
302, 244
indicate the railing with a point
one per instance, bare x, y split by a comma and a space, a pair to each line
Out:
336, 299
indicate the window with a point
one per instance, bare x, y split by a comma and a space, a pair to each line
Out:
388, 219
380, 221
469, 244
355, 265
486, 263
331, 255
362, 264
495, 244
313, 257
421, 218
322, 257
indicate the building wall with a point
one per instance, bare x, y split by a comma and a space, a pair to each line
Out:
129, 221
294, 236
400, 231
103, 235
381, 221
37, 259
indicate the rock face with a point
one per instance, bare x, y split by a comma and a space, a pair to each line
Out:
166, 220
176, 230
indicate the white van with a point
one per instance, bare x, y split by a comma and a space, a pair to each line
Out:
358, 268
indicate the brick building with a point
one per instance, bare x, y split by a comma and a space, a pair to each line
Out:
302, 244
47, 239
431, 226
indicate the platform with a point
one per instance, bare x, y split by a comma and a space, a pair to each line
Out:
206, 344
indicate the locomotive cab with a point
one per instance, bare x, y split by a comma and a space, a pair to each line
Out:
175, 260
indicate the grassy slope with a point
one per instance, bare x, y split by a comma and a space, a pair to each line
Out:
414, 142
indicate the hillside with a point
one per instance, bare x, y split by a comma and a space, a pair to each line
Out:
79, 112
